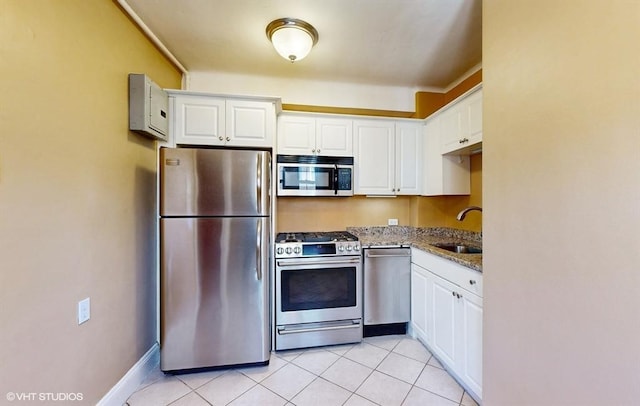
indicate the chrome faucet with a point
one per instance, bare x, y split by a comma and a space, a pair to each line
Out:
464, 212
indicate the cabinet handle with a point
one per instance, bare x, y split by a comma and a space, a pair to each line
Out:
472, 282
453, 293
221, 138
318, 151
313, 151
228, 138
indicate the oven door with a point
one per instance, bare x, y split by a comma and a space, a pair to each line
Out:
310, 290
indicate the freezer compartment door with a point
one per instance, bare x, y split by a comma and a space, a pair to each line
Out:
214, 292
214, 182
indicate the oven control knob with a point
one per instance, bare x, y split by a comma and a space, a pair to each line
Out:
341, 248
349, 248
297, 250
279, 251
288, 250
356, 248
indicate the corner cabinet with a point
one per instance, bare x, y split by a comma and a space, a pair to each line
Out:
388, 157
443, 174
461, 124
451, 135
446, 314
202, 119
303, 134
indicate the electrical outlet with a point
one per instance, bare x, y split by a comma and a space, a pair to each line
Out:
84, 310
392, 222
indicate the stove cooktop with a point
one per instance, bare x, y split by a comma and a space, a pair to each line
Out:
309, 244
323, 236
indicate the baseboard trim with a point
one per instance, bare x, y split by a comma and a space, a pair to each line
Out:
125, 387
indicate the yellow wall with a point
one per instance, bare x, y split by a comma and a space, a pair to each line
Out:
77, 197
562, 202
441, 211
330, 214
428, 103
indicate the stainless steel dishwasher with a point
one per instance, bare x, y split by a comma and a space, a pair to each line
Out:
387, 290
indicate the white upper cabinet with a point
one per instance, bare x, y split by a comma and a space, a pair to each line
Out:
388, 157
474, 110
409, 138
374, 157
461, 124
250, 123
443, 174
334, 136
199, 119
314, 135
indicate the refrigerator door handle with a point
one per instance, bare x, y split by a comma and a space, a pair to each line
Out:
259, 182
259, 251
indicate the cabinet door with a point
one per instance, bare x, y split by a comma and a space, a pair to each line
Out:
296, 135
443, 315
419, 300
250, 123
471, 331
408, 165
450, 129
199, 120
334, 137
462, 124
474, 112
374, 157
443, 175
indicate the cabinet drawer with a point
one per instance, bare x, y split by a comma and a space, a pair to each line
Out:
464, 277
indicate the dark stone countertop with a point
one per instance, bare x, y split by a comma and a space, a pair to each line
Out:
422, 238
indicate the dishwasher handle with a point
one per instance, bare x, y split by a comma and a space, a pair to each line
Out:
386, 256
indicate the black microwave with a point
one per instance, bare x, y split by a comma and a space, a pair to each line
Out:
310, 175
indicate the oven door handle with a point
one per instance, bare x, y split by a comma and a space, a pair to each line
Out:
283, 331
319, 262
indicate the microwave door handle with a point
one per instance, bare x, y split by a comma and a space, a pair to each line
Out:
335, 180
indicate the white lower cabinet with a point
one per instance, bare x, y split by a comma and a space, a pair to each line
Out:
447, 317
472, 341
419, 301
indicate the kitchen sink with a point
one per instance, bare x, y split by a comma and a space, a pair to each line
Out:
459, 248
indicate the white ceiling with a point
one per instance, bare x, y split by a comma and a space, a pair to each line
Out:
426, 44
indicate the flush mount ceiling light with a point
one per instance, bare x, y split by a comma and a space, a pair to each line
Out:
292, 38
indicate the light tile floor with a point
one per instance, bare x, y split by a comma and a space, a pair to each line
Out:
387, 370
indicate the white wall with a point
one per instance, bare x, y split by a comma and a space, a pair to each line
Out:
561, 201
296, 91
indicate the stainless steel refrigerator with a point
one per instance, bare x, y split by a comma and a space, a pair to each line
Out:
214, 266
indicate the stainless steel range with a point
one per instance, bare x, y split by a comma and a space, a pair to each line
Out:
318, 289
